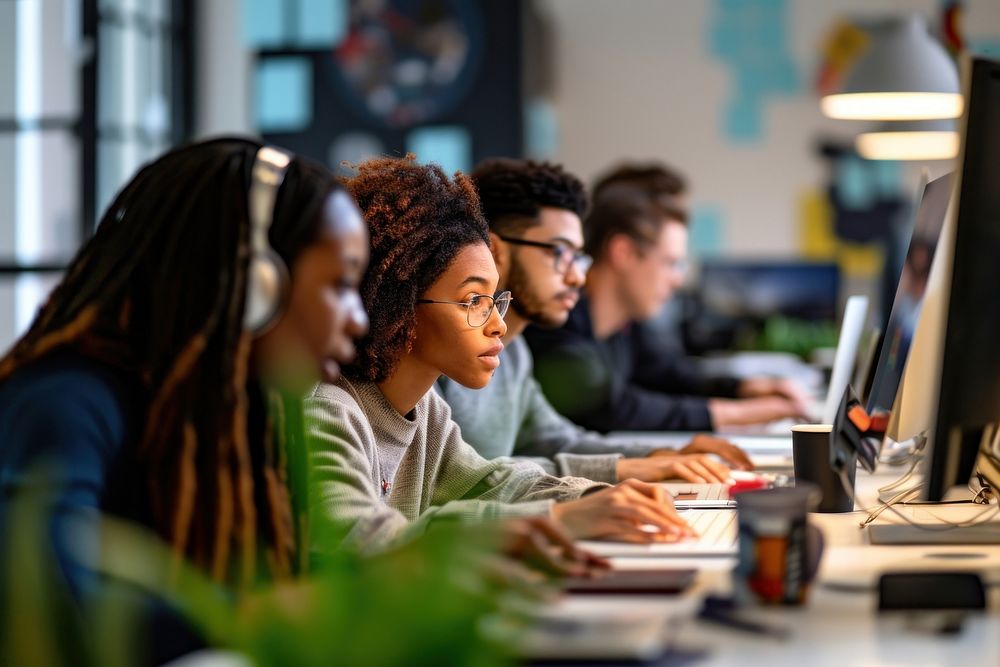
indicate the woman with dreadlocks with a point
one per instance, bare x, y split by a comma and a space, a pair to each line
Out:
162, 381
141, 389
387, 458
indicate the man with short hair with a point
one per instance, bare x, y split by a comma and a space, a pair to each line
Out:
598, 369
534, 211
661, 182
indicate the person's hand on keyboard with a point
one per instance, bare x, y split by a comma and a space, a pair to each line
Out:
708, 444
758, 410
696, 468
785, 388
620, 512
544, 545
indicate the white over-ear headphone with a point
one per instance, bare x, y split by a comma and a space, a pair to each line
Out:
267, 275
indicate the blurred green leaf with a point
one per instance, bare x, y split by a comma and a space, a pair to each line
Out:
39, 624
422, 603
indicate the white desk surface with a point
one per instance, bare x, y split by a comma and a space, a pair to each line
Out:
839, 626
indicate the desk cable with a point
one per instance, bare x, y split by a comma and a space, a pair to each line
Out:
983, 495
915, 459
983, 517
902, 453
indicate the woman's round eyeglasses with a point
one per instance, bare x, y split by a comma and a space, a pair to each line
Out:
479, 307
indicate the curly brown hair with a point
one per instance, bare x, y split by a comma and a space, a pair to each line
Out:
419, 220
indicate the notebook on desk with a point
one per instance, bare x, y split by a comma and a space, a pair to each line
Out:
717, 531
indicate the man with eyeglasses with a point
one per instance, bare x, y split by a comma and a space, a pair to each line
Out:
600, 370
534, 211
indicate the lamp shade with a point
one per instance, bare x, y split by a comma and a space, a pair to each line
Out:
910, 140
904, 75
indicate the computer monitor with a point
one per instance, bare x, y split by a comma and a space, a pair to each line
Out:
905, 313
851, 330
951, 388
968, 403
734, 298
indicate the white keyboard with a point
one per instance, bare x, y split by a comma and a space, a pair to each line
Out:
714, 527
717, 530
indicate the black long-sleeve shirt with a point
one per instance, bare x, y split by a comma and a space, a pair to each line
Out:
625, 382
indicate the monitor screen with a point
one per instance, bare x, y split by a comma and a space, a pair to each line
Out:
903, 317
968, 397
735, 300
739, 288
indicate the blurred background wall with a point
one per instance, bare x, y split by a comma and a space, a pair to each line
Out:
726, 91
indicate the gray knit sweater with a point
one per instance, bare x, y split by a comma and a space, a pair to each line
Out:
377, 476
511, 417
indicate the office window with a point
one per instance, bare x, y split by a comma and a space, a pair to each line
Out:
134, 75
89, 90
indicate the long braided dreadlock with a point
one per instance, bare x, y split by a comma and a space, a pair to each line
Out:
159, 292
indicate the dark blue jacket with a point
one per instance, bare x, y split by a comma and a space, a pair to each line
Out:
68, 426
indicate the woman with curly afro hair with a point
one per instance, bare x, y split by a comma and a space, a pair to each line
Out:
386, 457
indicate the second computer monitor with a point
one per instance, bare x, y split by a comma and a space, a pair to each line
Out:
906, 307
